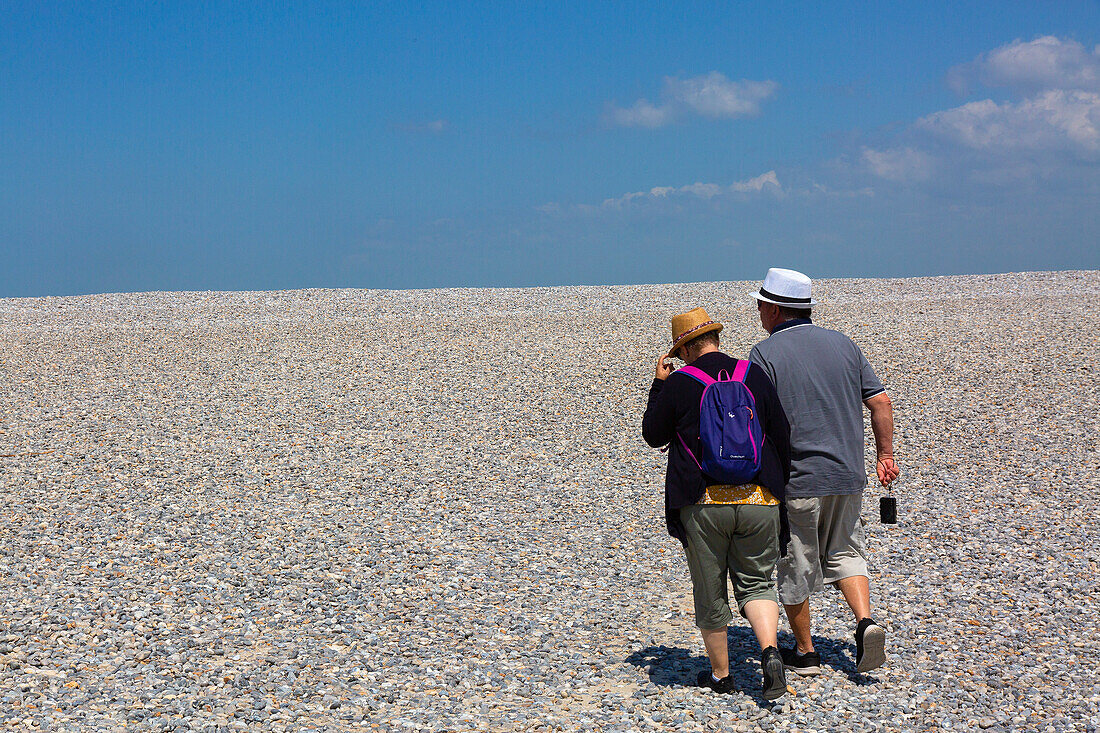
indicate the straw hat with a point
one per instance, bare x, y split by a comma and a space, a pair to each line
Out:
692, 324
785, 287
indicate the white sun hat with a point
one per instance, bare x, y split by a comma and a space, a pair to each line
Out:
789, 288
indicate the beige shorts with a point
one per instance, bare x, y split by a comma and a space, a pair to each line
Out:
827, 544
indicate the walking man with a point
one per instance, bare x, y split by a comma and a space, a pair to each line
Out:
822, 378
728, 531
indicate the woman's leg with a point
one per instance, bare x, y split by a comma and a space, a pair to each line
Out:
763, 617
718, 651
753, 554
707, 549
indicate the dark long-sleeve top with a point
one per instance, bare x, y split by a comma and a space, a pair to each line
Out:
674, 408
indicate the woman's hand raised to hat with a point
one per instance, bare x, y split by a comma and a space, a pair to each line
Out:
664, 367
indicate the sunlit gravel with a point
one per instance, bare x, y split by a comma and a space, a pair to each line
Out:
433, 510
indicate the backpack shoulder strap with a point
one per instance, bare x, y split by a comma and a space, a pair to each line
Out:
698, 374
741, 370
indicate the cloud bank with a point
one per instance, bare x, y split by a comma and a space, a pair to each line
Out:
1049, 127
1058, 120
1029, 66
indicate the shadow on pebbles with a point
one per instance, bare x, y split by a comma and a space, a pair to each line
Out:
433, 510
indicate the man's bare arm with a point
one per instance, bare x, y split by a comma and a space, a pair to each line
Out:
882, 425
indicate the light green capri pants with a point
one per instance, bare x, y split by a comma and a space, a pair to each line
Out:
738, 540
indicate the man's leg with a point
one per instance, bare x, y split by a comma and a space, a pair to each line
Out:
845, 551
846, 568
857, 592
798, 616
870, 637
717, 651
799, 571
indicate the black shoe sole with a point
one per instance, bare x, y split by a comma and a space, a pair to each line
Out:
778, 687
874, 649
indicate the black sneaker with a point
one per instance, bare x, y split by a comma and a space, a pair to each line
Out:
806, 665
870, 645
723, 686
775, 680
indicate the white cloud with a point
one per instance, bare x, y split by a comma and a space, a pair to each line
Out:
756, 184
1056, 120
710, 95
1029, 66
702, 190
903, 165
713, 95
641, 114
706, 191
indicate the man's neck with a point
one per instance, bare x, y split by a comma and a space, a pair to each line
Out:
789, 322
708, 350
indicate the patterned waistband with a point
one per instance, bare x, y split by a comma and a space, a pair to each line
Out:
738, 494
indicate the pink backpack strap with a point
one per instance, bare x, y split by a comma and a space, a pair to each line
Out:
741, 370
689, 451
699, 374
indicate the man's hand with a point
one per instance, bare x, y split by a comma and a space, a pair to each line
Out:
664, 368
887, 469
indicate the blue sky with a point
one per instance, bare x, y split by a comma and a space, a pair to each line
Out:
232, 146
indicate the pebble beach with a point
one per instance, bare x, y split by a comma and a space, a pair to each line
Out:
433, 511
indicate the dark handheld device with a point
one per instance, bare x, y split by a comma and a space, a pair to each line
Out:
888, 510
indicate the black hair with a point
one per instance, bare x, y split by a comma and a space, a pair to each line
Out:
698, 341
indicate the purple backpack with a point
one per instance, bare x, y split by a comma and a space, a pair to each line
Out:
730, 434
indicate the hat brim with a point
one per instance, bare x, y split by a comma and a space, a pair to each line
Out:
807, 306
691, 335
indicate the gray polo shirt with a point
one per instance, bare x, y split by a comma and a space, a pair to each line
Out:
822, 379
